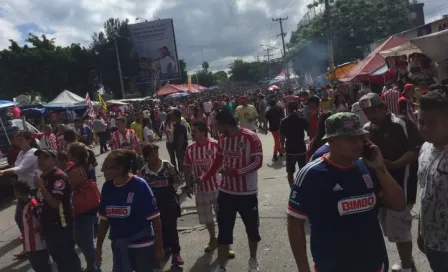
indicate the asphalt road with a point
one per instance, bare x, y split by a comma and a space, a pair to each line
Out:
274, 251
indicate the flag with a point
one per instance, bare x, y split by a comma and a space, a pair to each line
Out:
102, 103
101, 90
189, 83
90, 110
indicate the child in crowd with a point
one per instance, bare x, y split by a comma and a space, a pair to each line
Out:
33, 241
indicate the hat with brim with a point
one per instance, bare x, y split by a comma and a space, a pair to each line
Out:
343, 124
46, 152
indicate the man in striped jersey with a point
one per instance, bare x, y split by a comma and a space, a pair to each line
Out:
199, 156
125, 138
239, 155
390, 98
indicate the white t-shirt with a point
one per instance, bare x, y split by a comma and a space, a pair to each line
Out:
112, 123
148, 134
208, 107
25, 167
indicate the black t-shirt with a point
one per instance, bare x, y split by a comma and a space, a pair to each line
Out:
274, 115
161, 183
179, 132
58, 185
293, 129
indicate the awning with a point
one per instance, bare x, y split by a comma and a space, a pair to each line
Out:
373, 61
6, 104
434, 45
380, 71
408, 48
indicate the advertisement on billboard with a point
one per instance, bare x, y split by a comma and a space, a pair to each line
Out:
155, 44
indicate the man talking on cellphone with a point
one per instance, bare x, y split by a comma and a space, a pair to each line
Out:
338, 193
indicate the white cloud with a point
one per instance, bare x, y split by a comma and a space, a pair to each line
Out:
217, 31
7, 32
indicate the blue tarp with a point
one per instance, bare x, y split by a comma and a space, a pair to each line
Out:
33, 111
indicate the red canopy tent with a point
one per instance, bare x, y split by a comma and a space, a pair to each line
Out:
168, 89
372, 62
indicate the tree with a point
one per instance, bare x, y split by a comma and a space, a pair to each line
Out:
205, 66
220, 78
352, 31
183, 73
252, 72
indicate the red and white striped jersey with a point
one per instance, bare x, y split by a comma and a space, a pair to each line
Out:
32, 237
62, 145
200, 157
51, 141
126, 140
244, 153
390, 98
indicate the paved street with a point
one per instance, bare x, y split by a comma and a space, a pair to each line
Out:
274, 251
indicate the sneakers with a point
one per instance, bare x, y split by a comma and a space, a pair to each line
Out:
219, 269
231, 254
253, 265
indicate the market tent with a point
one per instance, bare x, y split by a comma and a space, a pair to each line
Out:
434, 45
380, 71
67, 97
373, 61
408, 48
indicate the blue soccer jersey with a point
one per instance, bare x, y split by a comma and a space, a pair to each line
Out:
341, 205
129, 209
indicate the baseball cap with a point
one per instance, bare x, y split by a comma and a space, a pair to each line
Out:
343, 124
45, 151
407, 87
370, 100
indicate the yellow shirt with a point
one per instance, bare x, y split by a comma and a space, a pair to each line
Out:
138, 128
244, 113
326, 105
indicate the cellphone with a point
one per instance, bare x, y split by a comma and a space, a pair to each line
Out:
368, 151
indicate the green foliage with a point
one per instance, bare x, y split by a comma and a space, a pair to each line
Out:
354, 23
221, 78
183, 73
252, 72
40, 67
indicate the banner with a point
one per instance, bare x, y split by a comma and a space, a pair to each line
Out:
102, 103
155, 44
189, 83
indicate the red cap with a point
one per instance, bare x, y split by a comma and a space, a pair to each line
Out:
243, 97
407, 87
216, 103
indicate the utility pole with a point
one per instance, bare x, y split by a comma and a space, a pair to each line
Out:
268, 56
330, 39
119, 69
283, 34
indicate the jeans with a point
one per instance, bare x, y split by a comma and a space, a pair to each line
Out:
437, 260
102, 136
168, 215
61, 245
180, 155
84, 236
142, 259
171, 153
40, 261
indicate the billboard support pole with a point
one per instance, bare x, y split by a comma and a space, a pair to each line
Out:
119, 69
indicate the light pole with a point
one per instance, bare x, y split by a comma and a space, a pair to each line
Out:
268, 55
120, 74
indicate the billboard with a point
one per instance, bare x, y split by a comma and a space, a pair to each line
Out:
155, 44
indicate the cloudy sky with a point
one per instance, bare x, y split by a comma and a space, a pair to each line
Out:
217, 31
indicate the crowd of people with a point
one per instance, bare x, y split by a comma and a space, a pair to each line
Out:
361, 156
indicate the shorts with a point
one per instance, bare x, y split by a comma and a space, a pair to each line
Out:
228, 206
206, 204
396, 225
292, 160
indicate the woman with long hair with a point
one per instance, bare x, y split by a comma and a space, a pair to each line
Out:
25, 167
137, 237
79, 174
198, 116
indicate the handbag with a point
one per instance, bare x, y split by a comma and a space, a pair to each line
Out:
86, 197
